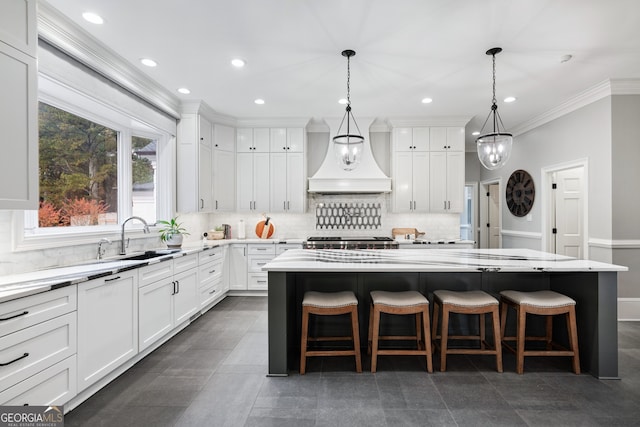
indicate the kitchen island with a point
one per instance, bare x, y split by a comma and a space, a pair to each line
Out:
592, 284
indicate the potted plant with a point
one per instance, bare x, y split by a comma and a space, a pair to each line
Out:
217, 233
172, 232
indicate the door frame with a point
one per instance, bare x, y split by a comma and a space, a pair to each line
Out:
474, 211
484, 211
547, 201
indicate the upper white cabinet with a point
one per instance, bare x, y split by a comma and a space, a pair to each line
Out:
287, 176
252, 182
290, 140
194, 176
18, 105
224, 169
251, 140
428, 169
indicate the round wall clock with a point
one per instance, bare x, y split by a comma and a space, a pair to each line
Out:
521, 193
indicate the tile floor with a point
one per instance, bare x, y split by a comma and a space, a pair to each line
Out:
213, 374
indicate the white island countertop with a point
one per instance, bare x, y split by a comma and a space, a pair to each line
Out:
433, 260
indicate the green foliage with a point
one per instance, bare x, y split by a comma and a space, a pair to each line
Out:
170, 228
83, 211
142, 167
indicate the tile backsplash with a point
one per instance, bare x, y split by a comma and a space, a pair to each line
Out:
340, 216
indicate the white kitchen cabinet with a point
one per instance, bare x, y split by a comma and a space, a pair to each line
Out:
194, 178
410, 181
224, 176
446, 139
156, 314
258, 256
211, 276
238, 267
18, 105
107, 325
283, 247
447, 181
252, 180
186, 297
252, 140
411, 139
287, 139
224, 137
288, 189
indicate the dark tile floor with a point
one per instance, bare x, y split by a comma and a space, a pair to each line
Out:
213, 374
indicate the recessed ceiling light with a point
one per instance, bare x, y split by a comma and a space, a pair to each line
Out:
259, 101
427, 100
509, 99
148, 62
238, 63
94, 18
476, 133
342, 101
184, 91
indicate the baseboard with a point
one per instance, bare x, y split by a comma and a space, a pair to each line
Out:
629, 309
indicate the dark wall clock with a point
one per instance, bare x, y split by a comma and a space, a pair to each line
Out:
521, 192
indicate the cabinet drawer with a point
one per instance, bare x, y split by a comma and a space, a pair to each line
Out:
258, 249
210, 293
257, 281
33, 349
185, 263
213, 254
210, 272
257, 262
53, 386
154, 272
283, 247
36, 308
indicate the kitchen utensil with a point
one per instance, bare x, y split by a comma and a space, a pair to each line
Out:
404, 231
265, 228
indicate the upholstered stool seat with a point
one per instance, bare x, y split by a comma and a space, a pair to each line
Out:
542, 303
329, 304
399, 303
469, 302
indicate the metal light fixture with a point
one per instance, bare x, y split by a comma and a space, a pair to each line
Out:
494, 148
347, 146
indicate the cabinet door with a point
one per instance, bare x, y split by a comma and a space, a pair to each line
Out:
244, 140
224, 137
278, 178
402, 139
261, 140
261, 182
438, 181
155, 311
402, 181
106, 340
224, 179
278, 142
18, 25
205, 178
438, 139
244, 182
296, 183
421, 181
455, 181
238, 267
421, 139
185, 300
455, 138
19, 124
295, 140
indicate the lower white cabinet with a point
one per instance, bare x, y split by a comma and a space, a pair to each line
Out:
212, 276
238, 267
185, 298
259, 256
107, 325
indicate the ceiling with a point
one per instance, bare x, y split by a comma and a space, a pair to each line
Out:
406, 50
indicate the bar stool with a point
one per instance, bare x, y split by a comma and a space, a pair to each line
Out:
469, 302
542, 303
401, 303
330, 304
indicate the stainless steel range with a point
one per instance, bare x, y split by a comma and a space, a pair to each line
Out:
333, 242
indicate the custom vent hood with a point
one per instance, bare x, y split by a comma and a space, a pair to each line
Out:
366, 178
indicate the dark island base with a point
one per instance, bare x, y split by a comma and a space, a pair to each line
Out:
595, 294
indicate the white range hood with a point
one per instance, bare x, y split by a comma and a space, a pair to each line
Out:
366, 178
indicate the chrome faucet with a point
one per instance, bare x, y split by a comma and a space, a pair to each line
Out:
123, 246
102, 251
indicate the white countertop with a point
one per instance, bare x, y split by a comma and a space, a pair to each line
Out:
433, 260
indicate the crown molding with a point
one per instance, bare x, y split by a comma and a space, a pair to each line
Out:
201, 107
283, 122
59, 31
429, 121
625, 87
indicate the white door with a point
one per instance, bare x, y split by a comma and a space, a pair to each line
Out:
420, 170
244, 182
296, 184
224, 173
569, 216
278, 177
494, 216
402, 181
261, 182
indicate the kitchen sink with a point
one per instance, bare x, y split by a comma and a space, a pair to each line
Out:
148, 255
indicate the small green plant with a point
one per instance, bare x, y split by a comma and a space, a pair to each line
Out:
171, 228
219, 228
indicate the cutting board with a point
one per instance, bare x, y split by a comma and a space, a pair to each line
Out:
264, 232
404, 231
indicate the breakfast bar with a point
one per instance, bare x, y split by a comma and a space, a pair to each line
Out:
593, 285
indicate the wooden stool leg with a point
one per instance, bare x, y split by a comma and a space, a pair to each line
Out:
370, 334
444, 337
503, 318
303, 340
427, 338
497, 340
434, 323
549, 331
521, 337
376, 333
482, 330
418, 331
355, 332
573, 338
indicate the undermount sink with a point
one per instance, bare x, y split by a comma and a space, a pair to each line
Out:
148, 255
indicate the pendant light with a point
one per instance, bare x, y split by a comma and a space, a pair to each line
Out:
348, 146
494, 148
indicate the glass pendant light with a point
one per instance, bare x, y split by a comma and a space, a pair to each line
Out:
494, 148
348, 147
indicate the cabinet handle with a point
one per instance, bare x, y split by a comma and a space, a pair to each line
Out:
216, 205
414, 205
211, 271
288, 206
284, 148
14, 360
213, 254
261, 249
410, 205
173, 292
261, 281
449, 204
260, 264
445, 205
212, 292
284, 206
178, 286
112, 279
24, 313
201, 203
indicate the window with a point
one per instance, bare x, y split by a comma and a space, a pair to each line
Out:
144, 159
